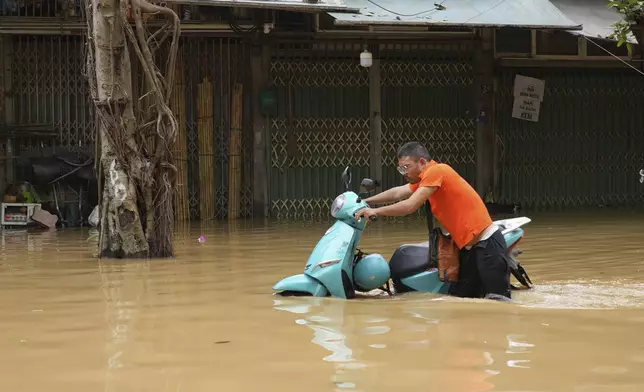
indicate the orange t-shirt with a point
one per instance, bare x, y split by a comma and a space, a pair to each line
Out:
455, 203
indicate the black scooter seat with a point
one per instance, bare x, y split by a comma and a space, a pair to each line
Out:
409, 260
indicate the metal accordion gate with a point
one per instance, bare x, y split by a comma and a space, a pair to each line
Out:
48, 87
587, 147
215, 70
428, 96
322, 124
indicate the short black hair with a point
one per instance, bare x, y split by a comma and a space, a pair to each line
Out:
413, 150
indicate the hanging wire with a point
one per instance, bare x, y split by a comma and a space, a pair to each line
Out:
613, 55
437, 7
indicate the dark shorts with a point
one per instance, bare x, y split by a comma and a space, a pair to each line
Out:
484, 270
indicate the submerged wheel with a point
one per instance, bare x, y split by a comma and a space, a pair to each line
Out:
289, 293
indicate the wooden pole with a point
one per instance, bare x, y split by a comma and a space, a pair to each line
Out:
485, 161
375, 119
260, 67
235, 153
206, 150
180, 149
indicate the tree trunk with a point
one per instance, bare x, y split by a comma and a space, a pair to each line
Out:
136, 214
121, 229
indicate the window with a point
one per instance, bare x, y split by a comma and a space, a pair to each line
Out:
556, 43
513, 40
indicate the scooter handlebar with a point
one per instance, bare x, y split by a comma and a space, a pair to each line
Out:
371, 218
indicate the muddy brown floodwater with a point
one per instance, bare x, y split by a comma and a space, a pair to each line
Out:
207, 320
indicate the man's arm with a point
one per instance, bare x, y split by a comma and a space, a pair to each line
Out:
390, 195
408, 206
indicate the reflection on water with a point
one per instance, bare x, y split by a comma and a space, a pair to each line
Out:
329, 326
207, 319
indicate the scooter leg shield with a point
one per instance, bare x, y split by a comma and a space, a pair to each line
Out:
426, 282
301, 284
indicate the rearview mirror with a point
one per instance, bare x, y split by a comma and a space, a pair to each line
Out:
368, 185
346, 177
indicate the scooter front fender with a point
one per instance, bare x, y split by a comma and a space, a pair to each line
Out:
302, 284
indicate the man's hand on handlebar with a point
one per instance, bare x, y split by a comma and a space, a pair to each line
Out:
368, 213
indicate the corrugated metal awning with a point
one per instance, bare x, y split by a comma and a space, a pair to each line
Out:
597, 19
287, 5
457, 13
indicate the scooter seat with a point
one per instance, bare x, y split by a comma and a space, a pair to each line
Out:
409, 259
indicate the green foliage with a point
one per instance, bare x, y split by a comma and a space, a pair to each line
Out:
633, 10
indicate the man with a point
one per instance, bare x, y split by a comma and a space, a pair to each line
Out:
484, 270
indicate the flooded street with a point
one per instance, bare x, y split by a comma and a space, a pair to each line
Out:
208, 321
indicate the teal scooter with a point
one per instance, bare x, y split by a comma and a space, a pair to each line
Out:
338, 268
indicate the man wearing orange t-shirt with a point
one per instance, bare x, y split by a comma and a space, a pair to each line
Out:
484, 269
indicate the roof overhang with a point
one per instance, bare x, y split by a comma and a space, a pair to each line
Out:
285, 5
535, 14
597, 19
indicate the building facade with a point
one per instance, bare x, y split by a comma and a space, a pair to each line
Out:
309, 109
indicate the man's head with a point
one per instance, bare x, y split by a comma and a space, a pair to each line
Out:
412, 160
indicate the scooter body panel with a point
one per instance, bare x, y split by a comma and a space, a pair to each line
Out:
331, 261
426, 282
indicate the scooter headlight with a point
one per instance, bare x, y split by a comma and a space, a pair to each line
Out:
337, 205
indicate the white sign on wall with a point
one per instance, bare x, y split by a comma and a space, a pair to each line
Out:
526, 109
528, 95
